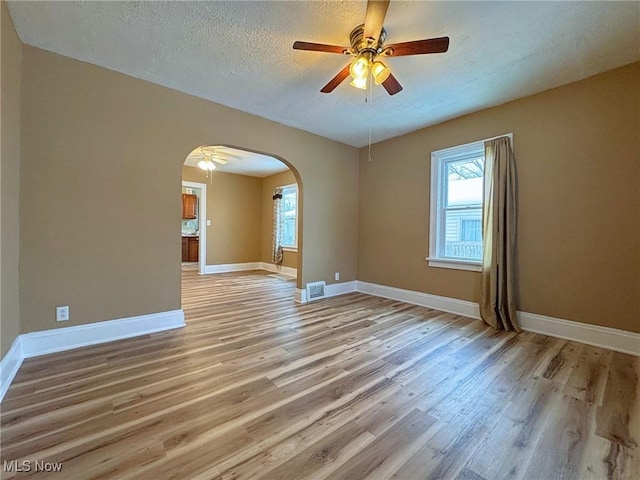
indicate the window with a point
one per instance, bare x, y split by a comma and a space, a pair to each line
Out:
456, 207
471, 231
289, 208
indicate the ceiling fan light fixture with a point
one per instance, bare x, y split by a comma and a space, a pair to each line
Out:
206, 165
380, 72
367, 44
359, 69
360, 83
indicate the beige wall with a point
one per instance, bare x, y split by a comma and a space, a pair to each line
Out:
11, 72
240, 208
102, 156
234, 208
266, 238
578, 157
96, 237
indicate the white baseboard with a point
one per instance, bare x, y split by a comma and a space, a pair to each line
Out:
67, 338
232, 267
331, 290
9, 365
300, 295
34, 344
444, 304
335, 289
242, 267
605, 337
271, 267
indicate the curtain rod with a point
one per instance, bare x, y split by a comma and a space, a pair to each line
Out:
510, 135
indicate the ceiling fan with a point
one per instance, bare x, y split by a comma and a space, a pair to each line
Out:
206, 156
367, 46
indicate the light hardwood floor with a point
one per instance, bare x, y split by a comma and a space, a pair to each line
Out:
349, 387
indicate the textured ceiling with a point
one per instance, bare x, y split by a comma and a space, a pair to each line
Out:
239, 54
240, 162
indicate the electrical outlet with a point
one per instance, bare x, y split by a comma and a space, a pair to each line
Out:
337, 276
62, 313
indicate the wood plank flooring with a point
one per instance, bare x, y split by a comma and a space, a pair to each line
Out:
350, 387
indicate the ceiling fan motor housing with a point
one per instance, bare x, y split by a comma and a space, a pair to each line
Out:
362, 46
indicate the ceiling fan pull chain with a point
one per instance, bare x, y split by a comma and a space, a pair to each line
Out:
370, 92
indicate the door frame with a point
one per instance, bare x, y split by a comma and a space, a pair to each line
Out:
202, 224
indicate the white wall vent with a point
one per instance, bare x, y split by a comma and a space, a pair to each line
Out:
315, 290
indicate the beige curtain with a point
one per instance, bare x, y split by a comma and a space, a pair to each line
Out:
277, 254
497, 303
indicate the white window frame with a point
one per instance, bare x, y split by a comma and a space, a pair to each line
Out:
285, 188
439, 159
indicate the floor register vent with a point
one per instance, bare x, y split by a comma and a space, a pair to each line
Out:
315, 290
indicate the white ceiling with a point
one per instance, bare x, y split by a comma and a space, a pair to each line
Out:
240, 54
241, 162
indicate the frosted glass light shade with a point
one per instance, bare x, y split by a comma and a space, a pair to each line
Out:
206, 165
360, 83
380, 72
359, 68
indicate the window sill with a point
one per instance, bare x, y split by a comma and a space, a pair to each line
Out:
289, 249
454, 264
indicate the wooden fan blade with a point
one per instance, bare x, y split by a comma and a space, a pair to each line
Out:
319, 47
337, 80
391, 85
419, 47
374, 18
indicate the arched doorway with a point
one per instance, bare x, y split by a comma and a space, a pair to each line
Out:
233, 220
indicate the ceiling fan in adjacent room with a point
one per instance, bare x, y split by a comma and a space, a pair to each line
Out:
207, 157
367, 46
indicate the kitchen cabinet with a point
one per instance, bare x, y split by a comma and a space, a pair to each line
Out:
190, 249
189, 205
194, 247
185, 249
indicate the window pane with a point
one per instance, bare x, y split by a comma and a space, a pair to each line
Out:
464, 182
471, 231
289, 232
288, 206
289, 201
463, 234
